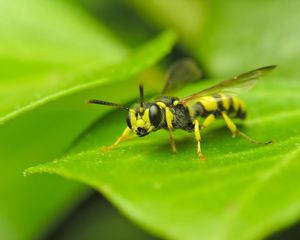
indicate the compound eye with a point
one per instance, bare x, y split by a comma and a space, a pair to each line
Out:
155, 115
128, 120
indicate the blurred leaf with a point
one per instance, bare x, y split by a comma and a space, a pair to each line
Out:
55, 32
96, 218
56, 57
40, 42
236, 194
246, 34
40, 58
91, 78
229, 36
186, 17
119, 16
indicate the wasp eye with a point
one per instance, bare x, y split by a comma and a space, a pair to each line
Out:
155, 115
128, 121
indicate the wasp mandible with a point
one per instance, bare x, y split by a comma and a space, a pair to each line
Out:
170, 113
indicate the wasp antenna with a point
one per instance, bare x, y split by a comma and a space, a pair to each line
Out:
100, 102
142, 95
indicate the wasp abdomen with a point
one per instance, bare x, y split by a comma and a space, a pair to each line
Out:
218, 103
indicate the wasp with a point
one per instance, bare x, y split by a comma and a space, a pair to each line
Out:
170, 113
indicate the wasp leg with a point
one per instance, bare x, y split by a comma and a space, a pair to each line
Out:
172, 141
120, 139
198, 139
207, 121
232, 127
169, 118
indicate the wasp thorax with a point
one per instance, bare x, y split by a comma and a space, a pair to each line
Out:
145, 119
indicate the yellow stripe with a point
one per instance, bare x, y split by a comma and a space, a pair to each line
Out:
209, 103
225, 101
243, 106
236, 103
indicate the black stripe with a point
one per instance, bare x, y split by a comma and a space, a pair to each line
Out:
240, 113
231, 106
200, 110
219, 101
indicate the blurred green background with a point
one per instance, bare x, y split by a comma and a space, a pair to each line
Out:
49, 47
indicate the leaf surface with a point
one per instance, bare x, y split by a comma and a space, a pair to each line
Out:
54, 57
176, 196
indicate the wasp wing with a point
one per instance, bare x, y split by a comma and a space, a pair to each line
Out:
233, 86
181, 73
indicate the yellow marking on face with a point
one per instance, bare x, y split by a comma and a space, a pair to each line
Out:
146, 117
141, 120
132, 118
209, 103
140, 123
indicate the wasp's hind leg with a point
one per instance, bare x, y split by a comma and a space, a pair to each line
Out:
120, 139
207, 121
232, 127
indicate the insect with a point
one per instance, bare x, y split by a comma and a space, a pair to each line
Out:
170, 113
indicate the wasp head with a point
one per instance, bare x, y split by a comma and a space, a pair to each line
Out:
143, 120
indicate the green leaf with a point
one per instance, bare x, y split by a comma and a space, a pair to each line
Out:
41, 41
96, 218
70, 37
242, 191
230, 36
42, 59
187, 17
91, 78
246, 34
54, 58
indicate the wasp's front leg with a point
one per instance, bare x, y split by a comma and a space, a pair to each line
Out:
120, 139
169, 119
198, 139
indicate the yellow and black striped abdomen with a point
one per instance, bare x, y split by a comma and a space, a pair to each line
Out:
218, 103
